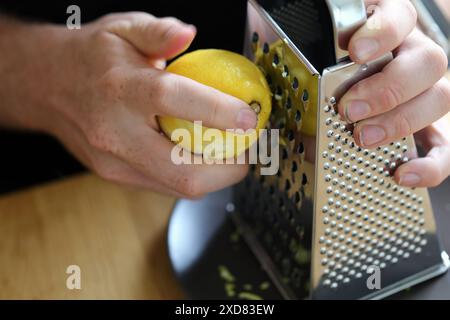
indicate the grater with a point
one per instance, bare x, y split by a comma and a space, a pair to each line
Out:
332, 216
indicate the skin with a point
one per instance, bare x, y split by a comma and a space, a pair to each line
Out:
99, 90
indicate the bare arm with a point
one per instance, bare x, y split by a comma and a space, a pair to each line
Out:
23, 72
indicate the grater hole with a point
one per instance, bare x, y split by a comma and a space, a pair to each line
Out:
305, 95
285, 71
300, 148
295, 84
255, 37
304, 179
276, 60
291, 135
297, 197
294, 166
288, 104
298, 116
285, 154
278, 94
287, 185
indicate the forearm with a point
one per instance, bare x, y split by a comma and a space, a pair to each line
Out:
28, 55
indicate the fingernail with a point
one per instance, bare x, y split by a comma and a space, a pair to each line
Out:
357, 110
371, 135
366, 48
246, 119
409, 180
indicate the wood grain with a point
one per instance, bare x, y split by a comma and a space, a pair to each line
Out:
115, 235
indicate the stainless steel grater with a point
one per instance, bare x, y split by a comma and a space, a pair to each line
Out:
332, 215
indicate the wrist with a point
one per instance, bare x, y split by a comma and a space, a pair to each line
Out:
30, 55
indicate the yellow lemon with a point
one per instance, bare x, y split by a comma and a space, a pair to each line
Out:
232, 74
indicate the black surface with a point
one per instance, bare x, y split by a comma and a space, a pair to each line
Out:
438, 288
220, 24
308, 24
28, 159
199, 241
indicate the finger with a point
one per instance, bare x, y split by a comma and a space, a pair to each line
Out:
197, 180
180, 97
398, 82
385, 30
150, 153
112, 169
406, 119
431, 170
156, 38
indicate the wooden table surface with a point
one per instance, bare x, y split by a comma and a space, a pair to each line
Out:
115, 235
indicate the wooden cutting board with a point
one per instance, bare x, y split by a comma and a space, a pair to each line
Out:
115, 235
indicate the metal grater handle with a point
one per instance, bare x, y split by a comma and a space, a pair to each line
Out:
347, 16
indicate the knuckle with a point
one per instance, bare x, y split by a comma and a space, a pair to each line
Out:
105, 172
390, 27
112, 16
145, 24
361, 88
391, 94
109, 17
435, 176
442, 89
96, 139
187, 185
100, 136
165, 28
130, 17
138, 16
100, 37
410, 10
110, 85
106, 167
109, 173
435, 57
171, 20
402, 125
162, 90
434, 182
213, 109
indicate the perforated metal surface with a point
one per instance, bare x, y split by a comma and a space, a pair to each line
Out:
333, 211
279, 208
363, 219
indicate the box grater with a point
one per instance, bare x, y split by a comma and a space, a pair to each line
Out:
332, 216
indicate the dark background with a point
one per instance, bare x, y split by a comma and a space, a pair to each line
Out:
27, 159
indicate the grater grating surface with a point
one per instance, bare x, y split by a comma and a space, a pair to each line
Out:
333, 211
308, 26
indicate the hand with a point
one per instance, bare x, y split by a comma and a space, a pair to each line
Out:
99, 90
408, 96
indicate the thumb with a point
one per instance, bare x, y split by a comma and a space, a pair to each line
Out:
157, 38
